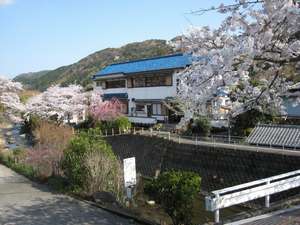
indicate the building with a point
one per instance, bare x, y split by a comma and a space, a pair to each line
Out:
219, 107
143, 86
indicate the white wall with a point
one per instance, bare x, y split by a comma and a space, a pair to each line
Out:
146, 93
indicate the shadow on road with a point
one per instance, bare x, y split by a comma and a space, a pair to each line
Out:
56, 210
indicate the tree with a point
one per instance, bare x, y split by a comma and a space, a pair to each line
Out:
59, 102
254, 41
105, 110
176, 192
9, 98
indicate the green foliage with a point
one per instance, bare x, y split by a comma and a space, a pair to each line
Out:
200, 126
19, 155
157, 126
243, 123
106, 126
12, 161
75, 155
176, 192
2, 108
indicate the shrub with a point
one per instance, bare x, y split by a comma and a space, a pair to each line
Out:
11, 160
53, 135
46, 155
90, 164
121, 123
243, 123
19, 155
201, 126
103, 174
176, 192
157, 126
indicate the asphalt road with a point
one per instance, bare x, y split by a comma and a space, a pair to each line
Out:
23, 202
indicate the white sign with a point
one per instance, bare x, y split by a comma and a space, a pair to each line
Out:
129, 172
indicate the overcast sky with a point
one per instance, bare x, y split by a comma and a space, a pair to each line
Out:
45, 34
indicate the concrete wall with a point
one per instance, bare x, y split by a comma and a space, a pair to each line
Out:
219, 168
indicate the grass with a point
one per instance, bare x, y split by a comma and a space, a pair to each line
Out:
9, 159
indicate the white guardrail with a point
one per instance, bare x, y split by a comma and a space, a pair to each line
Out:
249, 191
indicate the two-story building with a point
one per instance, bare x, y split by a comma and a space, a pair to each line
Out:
143, 86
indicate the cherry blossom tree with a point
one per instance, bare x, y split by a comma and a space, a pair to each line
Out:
58, 102
9, 98
248, 53
106, 110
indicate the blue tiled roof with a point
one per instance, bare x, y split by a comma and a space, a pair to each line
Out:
152, 64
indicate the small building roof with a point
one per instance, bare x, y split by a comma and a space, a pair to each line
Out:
174, 61
275, 135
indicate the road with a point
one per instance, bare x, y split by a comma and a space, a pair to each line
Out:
23, 202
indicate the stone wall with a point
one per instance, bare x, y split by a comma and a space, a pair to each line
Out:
219, 168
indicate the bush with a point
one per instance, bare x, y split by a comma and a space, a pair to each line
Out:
176, 192
53, 135
11, 160
90, 164
19, 155
46, 155
201, 126
121, 123
243, 123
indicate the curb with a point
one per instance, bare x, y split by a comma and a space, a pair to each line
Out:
118, 212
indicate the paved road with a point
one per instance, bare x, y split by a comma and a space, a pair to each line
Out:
283, 217
25, 203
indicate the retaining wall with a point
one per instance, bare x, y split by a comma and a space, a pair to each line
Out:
219, 168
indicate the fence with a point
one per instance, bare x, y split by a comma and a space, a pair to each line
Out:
234, 142
249, 191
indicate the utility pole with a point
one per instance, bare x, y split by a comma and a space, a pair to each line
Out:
229, 127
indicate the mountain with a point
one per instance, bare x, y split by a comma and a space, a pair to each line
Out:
27, 78
81, 71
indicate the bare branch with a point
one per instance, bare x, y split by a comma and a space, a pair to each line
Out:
202, 11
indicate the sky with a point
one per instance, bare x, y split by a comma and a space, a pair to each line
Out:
45, 34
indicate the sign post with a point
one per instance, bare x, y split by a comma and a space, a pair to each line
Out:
129, 175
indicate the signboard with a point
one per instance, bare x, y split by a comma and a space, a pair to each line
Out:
129, 172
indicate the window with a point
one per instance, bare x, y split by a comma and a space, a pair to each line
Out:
115, 84
152, 81
139, 82
98, 83
140, 107
156, 109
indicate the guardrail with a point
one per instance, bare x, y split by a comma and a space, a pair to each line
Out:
250, 191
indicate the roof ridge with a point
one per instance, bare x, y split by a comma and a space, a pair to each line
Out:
279, 125
145, 59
